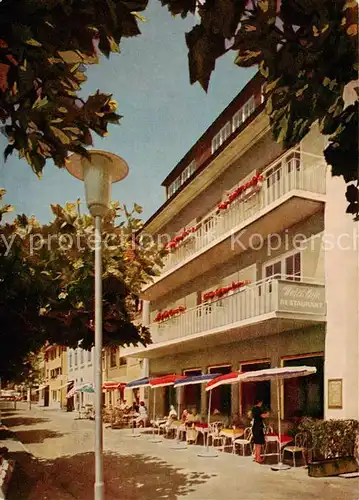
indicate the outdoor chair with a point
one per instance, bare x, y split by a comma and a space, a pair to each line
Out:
244, 441
191, 435
214, 431
300, 446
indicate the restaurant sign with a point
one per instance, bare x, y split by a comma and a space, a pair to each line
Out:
301, 298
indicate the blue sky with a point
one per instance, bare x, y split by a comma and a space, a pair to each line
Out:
163, 115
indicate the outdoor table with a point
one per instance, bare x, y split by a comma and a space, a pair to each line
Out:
231, 434
273, 438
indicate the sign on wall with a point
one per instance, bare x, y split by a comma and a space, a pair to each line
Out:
335, 393
301, 298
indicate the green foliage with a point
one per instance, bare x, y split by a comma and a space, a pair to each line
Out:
47, 282
45, 48
331, 438
307, 50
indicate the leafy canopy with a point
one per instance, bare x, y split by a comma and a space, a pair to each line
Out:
307, 50
44, 50
47, 282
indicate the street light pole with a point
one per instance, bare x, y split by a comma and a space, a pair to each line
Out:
98, 172
99, 484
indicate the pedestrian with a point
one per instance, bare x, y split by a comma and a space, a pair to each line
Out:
142, 415
258, 414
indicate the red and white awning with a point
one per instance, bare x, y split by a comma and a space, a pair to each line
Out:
112, 386
284, 372
227, 378
165, 381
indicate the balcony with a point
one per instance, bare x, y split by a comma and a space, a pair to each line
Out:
293, 189
267, 307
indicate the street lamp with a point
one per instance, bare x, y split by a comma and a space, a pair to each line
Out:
98, 173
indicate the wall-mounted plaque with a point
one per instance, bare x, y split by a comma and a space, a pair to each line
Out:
335, 393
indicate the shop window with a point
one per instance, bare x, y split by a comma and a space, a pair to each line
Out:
252, 391
192, 393
169, 398
221, 396
303, 396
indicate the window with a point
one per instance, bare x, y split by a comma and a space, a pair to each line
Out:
237, 119
113, 360
222, 135
70, 359
286, 267
89, 356
243, 113
123, 361
293, 162
273, 175
82, 357
188, 171
76, 358
54, 395
181, 179
293, 267
303, 396
248, 108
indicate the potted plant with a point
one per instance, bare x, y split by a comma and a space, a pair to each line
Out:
332, 446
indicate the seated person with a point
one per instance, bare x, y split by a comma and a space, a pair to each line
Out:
123, 405
184, 416
171, 417
142, 415
193, 417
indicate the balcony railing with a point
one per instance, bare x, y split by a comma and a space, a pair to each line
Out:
285, 176
275, 295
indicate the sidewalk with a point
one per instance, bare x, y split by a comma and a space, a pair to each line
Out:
61, 467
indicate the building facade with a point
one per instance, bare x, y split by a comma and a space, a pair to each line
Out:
251, 280
80, 371
54, 387
119, 369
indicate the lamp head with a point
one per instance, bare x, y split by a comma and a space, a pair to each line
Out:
98, 173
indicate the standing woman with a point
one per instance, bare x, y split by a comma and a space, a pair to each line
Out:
258, 414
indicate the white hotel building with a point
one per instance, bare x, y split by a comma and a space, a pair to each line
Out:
279, 254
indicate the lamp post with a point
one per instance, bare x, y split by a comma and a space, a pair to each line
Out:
98, 173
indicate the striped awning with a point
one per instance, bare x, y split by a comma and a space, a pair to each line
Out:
140, 382
112, 386
227, 378
79, 388
284, 372
165, 381
195, 379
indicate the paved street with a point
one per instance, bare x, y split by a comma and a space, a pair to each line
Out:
55, 461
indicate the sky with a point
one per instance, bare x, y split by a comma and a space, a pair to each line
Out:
163, 116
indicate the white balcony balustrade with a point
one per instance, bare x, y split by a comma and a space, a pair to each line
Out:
291, 174
288, 298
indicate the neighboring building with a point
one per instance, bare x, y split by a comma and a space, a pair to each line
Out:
117, 370
255, 274
80, 364
54, 388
